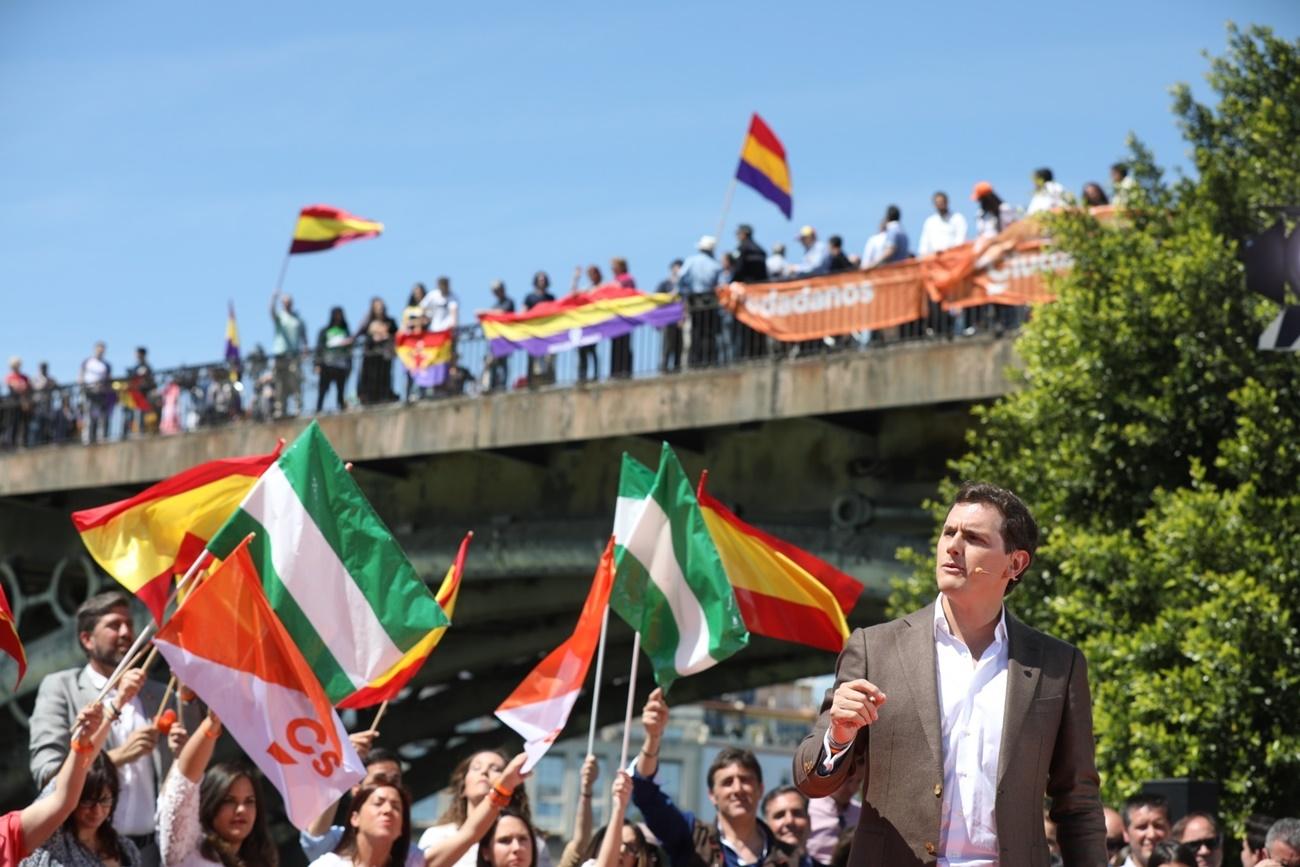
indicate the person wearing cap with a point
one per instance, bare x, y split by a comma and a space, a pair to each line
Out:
816, 257
994, 216
498, 373
698, 282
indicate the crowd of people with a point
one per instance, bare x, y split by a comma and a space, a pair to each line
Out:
37, 409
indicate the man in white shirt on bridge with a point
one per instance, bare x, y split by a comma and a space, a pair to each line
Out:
942, 229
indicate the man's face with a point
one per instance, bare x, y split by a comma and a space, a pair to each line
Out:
111, 638
1147, 826
99, 350
941, 204
971, 561
287, 302
1286, 855
735, 792
788, 818
1115, 836
1115, 177
1205, 841
807, 240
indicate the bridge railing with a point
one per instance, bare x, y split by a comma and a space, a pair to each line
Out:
195, 397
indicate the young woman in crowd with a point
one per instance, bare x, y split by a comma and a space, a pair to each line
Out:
377, 333
333, 358
482, 786
212, 819
87, 838
378, 831
510, 842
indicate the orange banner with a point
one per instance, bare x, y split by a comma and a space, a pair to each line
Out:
1007, 269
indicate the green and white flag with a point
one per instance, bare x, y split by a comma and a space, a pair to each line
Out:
669, 583
332, 571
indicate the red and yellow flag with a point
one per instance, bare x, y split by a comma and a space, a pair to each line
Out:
390, 683
783, 592
322, 227
227, 645
10, 643
145, 540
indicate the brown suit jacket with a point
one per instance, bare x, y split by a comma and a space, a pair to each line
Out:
1047, 749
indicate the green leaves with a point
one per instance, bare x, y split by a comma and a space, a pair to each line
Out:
1160, 451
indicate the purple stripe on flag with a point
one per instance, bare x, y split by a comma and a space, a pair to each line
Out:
615, 326
747, 174
429, 377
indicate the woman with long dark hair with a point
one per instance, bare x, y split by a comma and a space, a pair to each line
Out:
377, 332
378, 831
510, 842
87, 837
333, 358
213, 819
482, 785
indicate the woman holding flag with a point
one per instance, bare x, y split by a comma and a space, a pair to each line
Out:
87, 837
484, 785
212, 819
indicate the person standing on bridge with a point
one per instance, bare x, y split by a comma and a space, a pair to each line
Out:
288, 347
961, 717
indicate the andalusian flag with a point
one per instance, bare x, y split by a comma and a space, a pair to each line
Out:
145, 540
10, 643
540, 706
763, 166
393, 681
334, 574
671, 585
783, 591
321, 227
227, 645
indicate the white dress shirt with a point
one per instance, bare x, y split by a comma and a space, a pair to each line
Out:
939, 233
972, 702
138, 790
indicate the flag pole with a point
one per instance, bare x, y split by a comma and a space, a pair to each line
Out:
726, 208
162, 705
383, 708
284, 269
631, 700
595, 693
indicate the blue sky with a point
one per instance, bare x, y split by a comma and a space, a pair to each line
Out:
154, 154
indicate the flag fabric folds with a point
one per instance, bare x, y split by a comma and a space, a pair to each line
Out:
232, 338
579, 319
671, 586
763, 166
322, 227
145, 540
334, 574
226, 644
540, 706
426, 355
393, 681
783, 592
10, 643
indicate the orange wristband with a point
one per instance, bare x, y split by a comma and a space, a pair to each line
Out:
83, 747
212, 733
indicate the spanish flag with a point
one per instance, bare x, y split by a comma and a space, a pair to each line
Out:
145, 540
391, 682
783, 592
321, 227
10, 643
763, 166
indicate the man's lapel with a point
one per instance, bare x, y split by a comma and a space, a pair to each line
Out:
916, 660
1024, 669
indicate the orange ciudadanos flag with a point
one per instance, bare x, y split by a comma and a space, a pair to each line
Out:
145, 540
782, 591
391, 682
227, 645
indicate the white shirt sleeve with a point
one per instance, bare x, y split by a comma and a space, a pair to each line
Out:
833, 756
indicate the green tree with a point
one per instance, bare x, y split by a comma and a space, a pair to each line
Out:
1160, 451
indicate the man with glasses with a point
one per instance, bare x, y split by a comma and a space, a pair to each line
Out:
1200, 833
1116, 839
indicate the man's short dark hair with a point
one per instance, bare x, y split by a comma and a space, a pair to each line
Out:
735, 756
778, 792
675, 262
1044, 174
1169, 852
1256, 831
1150, 800
1019, 529
1286, 830
98, 606
937, 194
1181, 825
1120, 169
745, 229
892, 213
380, 754
835, 241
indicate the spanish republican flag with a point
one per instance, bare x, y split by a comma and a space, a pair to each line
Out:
763, 166
227, 645
426, 355
393, 681
10, 643
321, 227
158, 533
540, 706
783, 592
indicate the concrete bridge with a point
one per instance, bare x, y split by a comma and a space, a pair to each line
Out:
834, 452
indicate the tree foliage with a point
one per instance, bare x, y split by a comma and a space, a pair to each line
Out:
1160, 451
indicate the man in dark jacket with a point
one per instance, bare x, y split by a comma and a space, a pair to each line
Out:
751, 267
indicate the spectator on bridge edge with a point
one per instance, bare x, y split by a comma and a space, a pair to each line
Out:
105, 632
735, 785
1201, 834
839, 261
620, 348
698, 283
670, 350
751, 259
333, 362
483, 784
893, 247
1093, 195
1146, 823
498, 368
541, 370
141, 380
441, 306
287, 347
816, 257
941, 230
587, 357
19, 387
1048, 193
96, 381
776, 264
1122, 185
378, 332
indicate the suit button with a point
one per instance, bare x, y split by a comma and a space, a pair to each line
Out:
938, 790
929, 848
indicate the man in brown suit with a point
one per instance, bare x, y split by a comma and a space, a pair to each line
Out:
960, 719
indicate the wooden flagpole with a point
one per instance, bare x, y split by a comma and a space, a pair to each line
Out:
631, 701
595, 692
383, 708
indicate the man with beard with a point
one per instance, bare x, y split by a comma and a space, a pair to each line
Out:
735, 783
105, 632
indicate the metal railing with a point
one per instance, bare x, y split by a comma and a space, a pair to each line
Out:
198, 397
